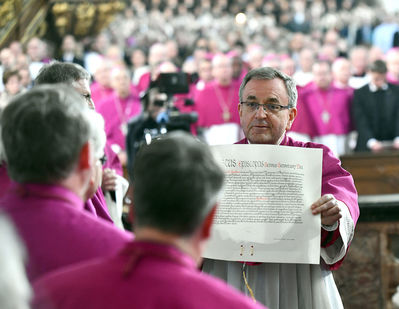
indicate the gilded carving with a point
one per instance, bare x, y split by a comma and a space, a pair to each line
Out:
7, 12
60, 8
63, 13
78, 17
85, 10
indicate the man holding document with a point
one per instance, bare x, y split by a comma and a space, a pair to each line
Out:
267, 110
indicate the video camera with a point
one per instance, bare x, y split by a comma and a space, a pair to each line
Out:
146, 127
171, 84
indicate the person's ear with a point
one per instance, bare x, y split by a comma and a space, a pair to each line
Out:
207, 225
239, 110
85, 157
291, 117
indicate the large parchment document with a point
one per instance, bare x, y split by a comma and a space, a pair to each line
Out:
264, 214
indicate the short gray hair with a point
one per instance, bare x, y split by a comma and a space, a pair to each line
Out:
267, 73
43, 131
61, 72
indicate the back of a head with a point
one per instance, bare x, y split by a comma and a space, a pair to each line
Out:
176, 183
43, 131
61, 72
378, 66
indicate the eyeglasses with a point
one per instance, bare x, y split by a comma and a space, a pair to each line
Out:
89, 100
268, 107
103, 159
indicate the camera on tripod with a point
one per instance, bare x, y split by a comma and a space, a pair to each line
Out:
171, 84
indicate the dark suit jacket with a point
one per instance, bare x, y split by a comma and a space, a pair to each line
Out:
376, 115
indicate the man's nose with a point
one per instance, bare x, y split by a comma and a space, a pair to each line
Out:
91, 104
260, 112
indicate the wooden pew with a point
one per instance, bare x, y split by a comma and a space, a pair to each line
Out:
370, 274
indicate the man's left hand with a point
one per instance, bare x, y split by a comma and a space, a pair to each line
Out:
328, 207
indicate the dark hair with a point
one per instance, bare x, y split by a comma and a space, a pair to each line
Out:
176, 183
43, 131
378, 66
61, 72
8, 74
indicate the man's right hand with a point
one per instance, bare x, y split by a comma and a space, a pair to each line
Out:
109, 180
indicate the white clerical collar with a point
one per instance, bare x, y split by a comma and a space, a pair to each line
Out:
68, 57
279, 142
374, 88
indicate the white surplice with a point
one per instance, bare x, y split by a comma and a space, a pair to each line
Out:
290, 286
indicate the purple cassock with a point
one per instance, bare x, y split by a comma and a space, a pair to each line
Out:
392, 79
112, 160
5, 181
143, 275
99, 93
55, 229
96, 205
116, 112
323, 112
335, 181
217, 104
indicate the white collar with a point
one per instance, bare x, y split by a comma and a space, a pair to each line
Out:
373, 88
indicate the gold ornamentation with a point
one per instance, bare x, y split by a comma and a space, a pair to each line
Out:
7, 13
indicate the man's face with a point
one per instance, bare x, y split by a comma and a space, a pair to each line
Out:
13, 85
322, 75
237, 66
25, 77
103, 75
288, 66
120, 82
255, 59
378, 79
154, 109
306, 60
359, 61
7, 58
35, 49
205, 71
83, 88
68, 44
342, 72
222, 71
262, 127
138, 58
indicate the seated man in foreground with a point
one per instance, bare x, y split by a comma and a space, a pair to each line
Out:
177, 185
52, 149
267, 109
77, 77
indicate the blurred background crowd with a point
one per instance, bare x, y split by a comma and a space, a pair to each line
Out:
327, 46
322, 44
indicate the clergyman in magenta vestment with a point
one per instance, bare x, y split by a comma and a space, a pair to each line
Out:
296, 286
56, 230
116, 112
143, 275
